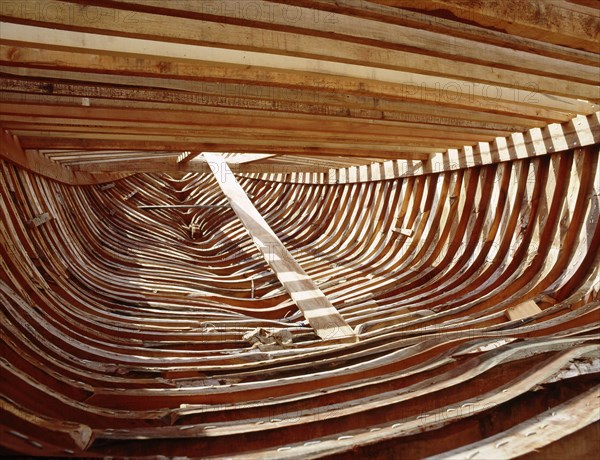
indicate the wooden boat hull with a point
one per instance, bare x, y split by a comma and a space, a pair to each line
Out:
474, 295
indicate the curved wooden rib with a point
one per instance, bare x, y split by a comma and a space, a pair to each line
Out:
11, 150
130, 331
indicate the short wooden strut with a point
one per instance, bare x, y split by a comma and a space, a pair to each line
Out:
316, 307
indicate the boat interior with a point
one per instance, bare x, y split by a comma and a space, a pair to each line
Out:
300, 229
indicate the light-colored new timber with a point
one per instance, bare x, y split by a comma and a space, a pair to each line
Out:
316, 308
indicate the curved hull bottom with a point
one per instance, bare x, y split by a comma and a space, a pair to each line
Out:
474, 296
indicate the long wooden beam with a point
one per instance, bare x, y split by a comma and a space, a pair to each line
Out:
278, 37
560, 23
243, 128
105, 90
182, 206
89, 50
165, 165
316, 307
220, 145
392, 13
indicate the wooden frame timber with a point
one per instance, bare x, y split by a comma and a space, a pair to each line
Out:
130, 324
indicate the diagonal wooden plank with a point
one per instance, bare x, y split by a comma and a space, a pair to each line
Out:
317, 309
